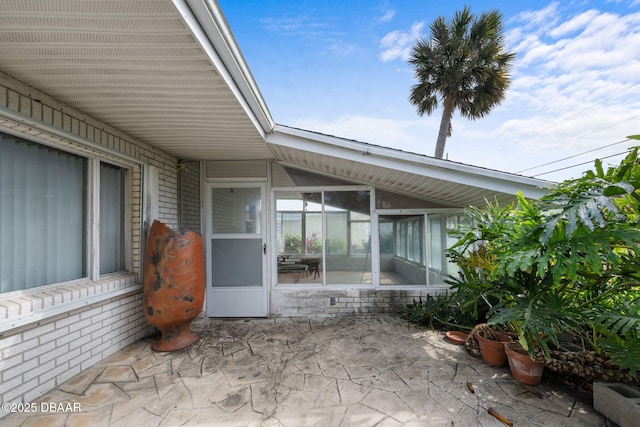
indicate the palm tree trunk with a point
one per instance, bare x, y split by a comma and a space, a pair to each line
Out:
445, 124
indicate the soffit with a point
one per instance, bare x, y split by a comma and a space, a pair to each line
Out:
136, 65
441, 181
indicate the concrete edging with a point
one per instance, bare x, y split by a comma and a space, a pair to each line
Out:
618, 402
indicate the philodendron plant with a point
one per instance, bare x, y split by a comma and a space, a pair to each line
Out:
567, 262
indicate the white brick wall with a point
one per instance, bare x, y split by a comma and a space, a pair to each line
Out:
38, 358
50, 334
189, 196
354, 302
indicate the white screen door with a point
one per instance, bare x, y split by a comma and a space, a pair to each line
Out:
236, 280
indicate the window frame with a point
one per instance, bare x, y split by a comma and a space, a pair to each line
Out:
375, 215
321, 190
426, 246
126, 215
94, 157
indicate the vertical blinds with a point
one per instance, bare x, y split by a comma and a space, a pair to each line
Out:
42, 215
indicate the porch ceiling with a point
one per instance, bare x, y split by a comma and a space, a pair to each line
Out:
155, 69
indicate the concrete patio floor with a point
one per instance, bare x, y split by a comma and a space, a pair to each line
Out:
302, 372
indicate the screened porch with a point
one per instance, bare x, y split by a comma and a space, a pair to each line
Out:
340, 235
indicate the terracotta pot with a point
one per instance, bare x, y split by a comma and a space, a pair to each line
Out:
493, 351
456, 337
174, 282
523, 368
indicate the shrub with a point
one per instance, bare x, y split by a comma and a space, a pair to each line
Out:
567, 263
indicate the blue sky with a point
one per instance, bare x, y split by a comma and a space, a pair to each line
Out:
340, 67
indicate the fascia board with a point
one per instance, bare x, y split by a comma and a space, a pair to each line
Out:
407, 162
209, 27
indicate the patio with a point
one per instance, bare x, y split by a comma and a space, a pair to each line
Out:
305, 372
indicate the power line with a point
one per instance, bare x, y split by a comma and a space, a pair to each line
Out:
585, 152
576, 165
575, 155
590, 133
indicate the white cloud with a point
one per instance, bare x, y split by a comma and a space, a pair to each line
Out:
539, 20
299, 25
574, 24
387, 15
397, 44
576, 83
589, 40
321, 33
339, 48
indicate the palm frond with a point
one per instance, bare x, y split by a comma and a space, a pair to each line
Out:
463, 64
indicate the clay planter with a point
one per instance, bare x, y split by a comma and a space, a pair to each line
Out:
174, 281
523, 368
493, 351
456, 337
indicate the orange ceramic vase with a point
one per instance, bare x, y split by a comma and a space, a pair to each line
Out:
174, 281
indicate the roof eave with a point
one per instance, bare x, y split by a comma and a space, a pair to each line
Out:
410, 162
208, 25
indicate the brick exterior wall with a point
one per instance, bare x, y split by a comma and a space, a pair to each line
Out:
347, 303
189, 196
38, 358
52, 333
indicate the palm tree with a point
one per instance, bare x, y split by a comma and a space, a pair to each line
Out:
464, 66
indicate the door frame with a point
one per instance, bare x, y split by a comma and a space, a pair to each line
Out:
242, 295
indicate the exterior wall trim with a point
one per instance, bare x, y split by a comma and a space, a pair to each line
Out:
86, 293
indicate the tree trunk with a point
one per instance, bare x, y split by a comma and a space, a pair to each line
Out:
445, 124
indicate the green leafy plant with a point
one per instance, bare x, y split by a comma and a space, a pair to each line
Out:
621, 330
292, 243
442, 311
567, 263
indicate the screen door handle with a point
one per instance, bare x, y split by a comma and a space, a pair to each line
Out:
264, 248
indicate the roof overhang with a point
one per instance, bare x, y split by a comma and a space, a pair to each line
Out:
442, 181
166, 72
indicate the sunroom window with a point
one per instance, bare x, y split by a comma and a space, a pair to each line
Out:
402, 249
403, 258
348, 255
323, 237
299, 224
440, 267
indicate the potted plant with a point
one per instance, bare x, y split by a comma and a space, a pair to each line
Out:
523, 368
492, 346
562, 265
